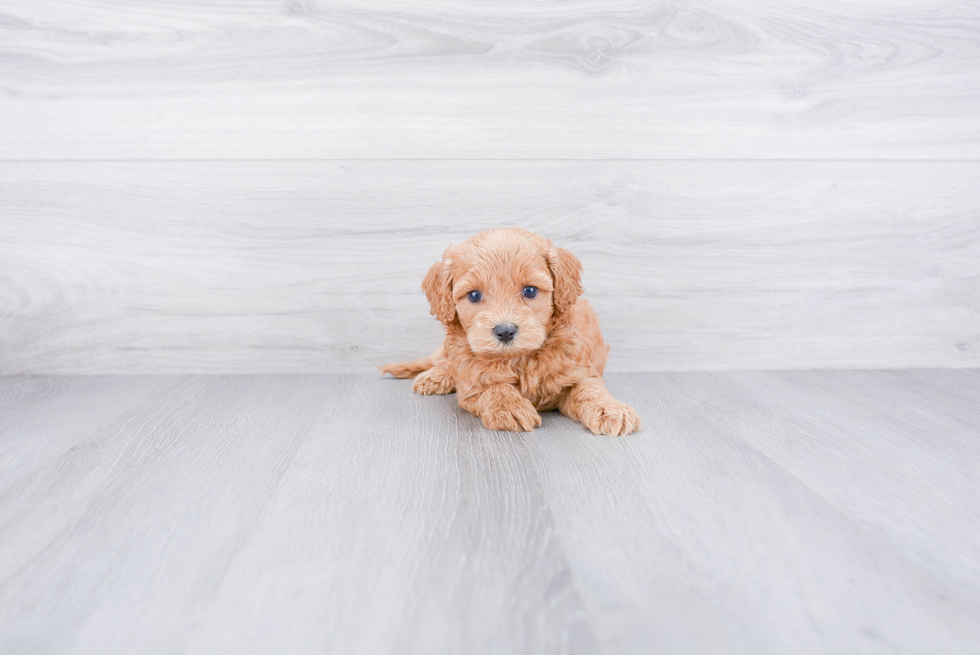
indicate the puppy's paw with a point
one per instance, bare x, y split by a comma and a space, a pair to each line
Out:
517, 415
434, 382
611, 418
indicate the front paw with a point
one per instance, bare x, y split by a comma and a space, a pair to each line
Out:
611, 418
434, 382
517, 415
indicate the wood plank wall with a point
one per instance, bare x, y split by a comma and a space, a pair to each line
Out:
259, 186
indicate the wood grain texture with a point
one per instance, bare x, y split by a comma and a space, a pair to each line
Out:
803, 512
246, 514
114, 79
305, 267
749, 518
879, 481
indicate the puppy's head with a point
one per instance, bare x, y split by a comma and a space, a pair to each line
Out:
505, 287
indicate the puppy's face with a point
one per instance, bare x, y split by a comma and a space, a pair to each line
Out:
504, 287
503, 301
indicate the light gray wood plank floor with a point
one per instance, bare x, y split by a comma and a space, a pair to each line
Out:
757, 512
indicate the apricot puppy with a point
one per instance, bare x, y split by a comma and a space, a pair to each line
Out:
519, 340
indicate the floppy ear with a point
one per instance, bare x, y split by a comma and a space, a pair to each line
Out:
438, 287
566, 271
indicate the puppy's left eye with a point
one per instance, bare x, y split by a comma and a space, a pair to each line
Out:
530, 292
474, 296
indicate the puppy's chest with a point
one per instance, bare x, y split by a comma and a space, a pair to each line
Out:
542, 385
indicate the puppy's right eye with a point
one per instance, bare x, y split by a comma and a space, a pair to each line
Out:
474, 296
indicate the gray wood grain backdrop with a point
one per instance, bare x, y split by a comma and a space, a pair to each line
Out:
229, 187
93, 79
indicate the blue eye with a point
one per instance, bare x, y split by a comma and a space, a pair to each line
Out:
530, 292
474, 296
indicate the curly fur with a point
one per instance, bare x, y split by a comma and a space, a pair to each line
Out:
557, 357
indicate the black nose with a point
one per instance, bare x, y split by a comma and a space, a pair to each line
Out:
505, 333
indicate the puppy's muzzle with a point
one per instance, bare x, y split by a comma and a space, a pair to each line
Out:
505, 333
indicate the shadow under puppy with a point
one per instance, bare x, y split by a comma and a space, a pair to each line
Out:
518, 338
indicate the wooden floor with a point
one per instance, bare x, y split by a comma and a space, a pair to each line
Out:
793, 512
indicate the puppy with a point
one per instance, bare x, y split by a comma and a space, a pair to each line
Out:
519, 340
